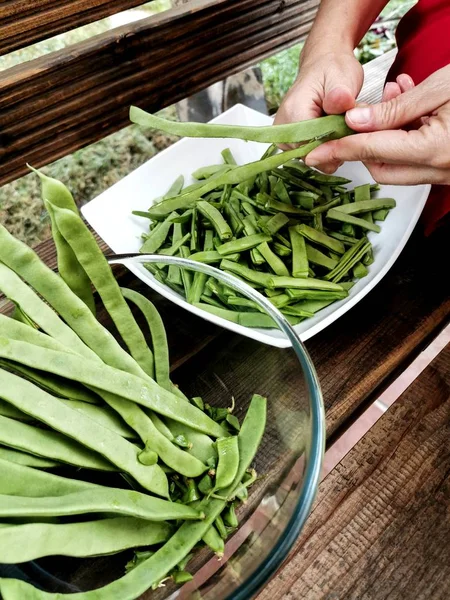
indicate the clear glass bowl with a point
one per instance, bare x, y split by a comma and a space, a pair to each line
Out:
288, 462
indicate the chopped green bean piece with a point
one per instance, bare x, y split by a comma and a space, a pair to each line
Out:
195, 244
349, 260
210, 171
158, 236
228, 157
300, 263
380, 214
345, 239
208, 257
328, 179
174, 274
281, 192
364, 206
281, 249
320, 238
263, 279
317, 257
175, 188
243, 244
337, 215
275, 223
284, 207
360, 270
318, 222
361, 193
222, 228
316, 294
308, 283
324, 207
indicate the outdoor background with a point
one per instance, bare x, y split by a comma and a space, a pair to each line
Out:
91, 170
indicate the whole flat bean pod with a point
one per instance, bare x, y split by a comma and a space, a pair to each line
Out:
21, 480
8, 410
107, 348
201, 445
69, 268
228, 463
22, 458
96, 266
16, 290
158, 335
48, 444
98, 500
273, 134
146, 393
44, 407
57, 386
21, 543
102, 415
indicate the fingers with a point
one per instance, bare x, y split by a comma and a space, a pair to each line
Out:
405, 82
396, 147
339, 100
407, 174
414, 103
342, 86
391, 91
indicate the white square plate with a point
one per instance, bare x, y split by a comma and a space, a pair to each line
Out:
110, 215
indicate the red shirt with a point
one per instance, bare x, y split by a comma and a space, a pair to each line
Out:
423, 39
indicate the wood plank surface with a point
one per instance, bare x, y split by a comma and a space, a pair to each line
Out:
63, 101
381, 523
23, 23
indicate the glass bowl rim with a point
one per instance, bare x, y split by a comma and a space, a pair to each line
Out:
311, 476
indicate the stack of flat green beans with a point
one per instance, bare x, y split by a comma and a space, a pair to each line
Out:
73, 401
295, 234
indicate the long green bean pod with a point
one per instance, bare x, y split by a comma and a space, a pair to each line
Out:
96, 266
146, 393
21, 543
293, 133
69, 268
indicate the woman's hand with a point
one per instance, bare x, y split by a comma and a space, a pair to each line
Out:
327, 83
418, 154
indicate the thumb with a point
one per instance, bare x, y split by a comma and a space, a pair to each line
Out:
402, 110
341, 87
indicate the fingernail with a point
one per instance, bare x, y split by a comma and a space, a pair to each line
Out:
316, 158
359, 116
405, 81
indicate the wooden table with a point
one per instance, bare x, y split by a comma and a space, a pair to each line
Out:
380, 527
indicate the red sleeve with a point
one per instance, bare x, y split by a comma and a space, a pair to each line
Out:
423, 39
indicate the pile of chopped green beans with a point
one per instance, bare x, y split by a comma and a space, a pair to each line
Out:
76, 401
293, 233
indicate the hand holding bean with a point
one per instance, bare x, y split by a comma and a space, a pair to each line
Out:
404, 141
